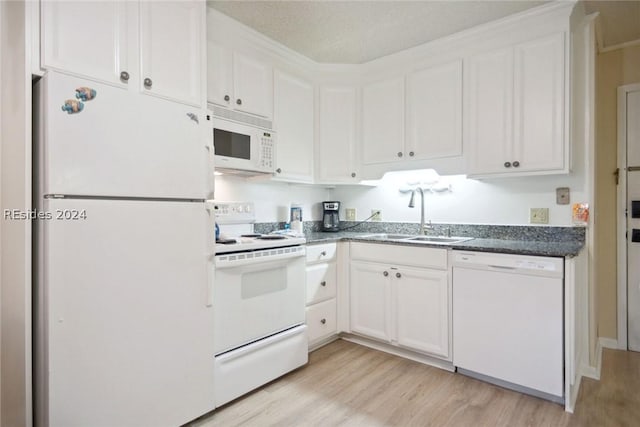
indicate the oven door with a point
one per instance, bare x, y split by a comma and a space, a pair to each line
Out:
257, 294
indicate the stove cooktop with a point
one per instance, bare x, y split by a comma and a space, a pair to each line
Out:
260, 241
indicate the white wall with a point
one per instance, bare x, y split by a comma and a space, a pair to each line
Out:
272, 198
495, 201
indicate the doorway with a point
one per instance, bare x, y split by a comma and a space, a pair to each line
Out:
629, 217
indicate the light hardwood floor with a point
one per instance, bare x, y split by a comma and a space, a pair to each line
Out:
346, 384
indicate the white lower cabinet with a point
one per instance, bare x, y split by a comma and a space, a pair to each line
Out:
403, 305
321, 282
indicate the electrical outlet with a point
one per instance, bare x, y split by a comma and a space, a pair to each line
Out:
539, 215
562, 196
376, 214
350, 214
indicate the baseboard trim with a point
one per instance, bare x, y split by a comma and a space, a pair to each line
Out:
318, 344
397, 351
594, 371
609, 343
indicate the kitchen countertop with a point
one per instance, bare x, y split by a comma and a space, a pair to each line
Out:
564, 248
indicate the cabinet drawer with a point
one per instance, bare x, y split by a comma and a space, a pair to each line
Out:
321, 253
321, 282
321, 320
400, 255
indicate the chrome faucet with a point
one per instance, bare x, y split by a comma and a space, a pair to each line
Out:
423, 227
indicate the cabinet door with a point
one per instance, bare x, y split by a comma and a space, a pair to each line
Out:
370, 300
172, 37
293, 117
490, 102
539, 104
434, 119
86, 38
422, 310
337, 135
219, 75
253, 86
383, 121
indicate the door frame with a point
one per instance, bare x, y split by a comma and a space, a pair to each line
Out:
622, 218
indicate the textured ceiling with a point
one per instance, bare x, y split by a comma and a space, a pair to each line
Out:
352, 32
619, 20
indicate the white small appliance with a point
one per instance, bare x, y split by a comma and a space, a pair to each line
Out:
259, 293
240, 147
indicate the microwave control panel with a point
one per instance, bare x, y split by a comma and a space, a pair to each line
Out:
267, 150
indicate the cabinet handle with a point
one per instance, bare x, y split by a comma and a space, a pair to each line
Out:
353, 174
124, 76
279, 170
411, 153
239, 101
399, 153
148, 83
323, 321
385, 274
323, 283
323, 253
227, 98
398, 275
516, 164
507, 164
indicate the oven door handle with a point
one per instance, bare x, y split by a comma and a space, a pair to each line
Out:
249, 260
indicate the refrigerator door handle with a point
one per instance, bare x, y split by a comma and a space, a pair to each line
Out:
210, 279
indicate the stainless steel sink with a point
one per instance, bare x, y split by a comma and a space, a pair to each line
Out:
408, 238
385, 236
438, 239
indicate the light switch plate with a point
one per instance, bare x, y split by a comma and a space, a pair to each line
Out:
539, 216
350, 214
562, 195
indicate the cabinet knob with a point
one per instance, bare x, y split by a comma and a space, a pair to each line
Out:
323, 283
124, 76
385, 273
411, 153
516, 164
398, 275
399, 153
227, 98
239, 101
323, 253
507, 164
353, 174
323, 321
148, 83
279, 170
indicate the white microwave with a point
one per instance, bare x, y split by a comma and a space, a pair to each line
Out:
243, 148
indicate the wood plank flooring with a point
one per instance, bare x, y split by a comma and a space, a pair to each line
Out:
346, 384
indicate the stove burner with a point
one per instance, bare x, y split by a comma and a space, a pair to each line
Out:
271, 237
250, 235
226, 241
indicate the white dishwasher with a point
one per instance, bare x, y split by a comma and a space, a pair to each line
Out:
508, 321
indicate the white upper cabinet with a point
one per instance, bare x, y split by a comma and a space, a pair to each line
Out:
239, 82
383, 121
294, 117
86, 38
434, 112
516, 109
154, 47
539, 104
337, 135
172, 43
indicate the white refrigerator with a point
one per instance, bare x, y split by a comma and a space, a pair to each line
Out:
124, 247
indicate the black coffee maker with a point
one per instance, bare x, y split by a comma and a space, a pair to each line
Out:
330, 219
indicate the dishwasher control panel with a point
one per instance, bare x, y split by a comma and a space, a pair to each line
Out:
523, 264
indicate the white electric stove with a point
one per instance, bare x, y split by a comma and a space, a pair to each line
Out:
259, 304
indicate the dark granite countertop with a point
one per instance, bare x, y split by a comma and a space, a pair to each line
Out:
562, 248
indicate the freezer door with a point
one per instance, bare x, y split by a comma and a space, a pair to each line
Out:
120, 144
128, 326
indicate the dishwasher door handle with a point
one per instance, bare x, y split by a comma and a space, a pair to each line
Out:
501, 267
